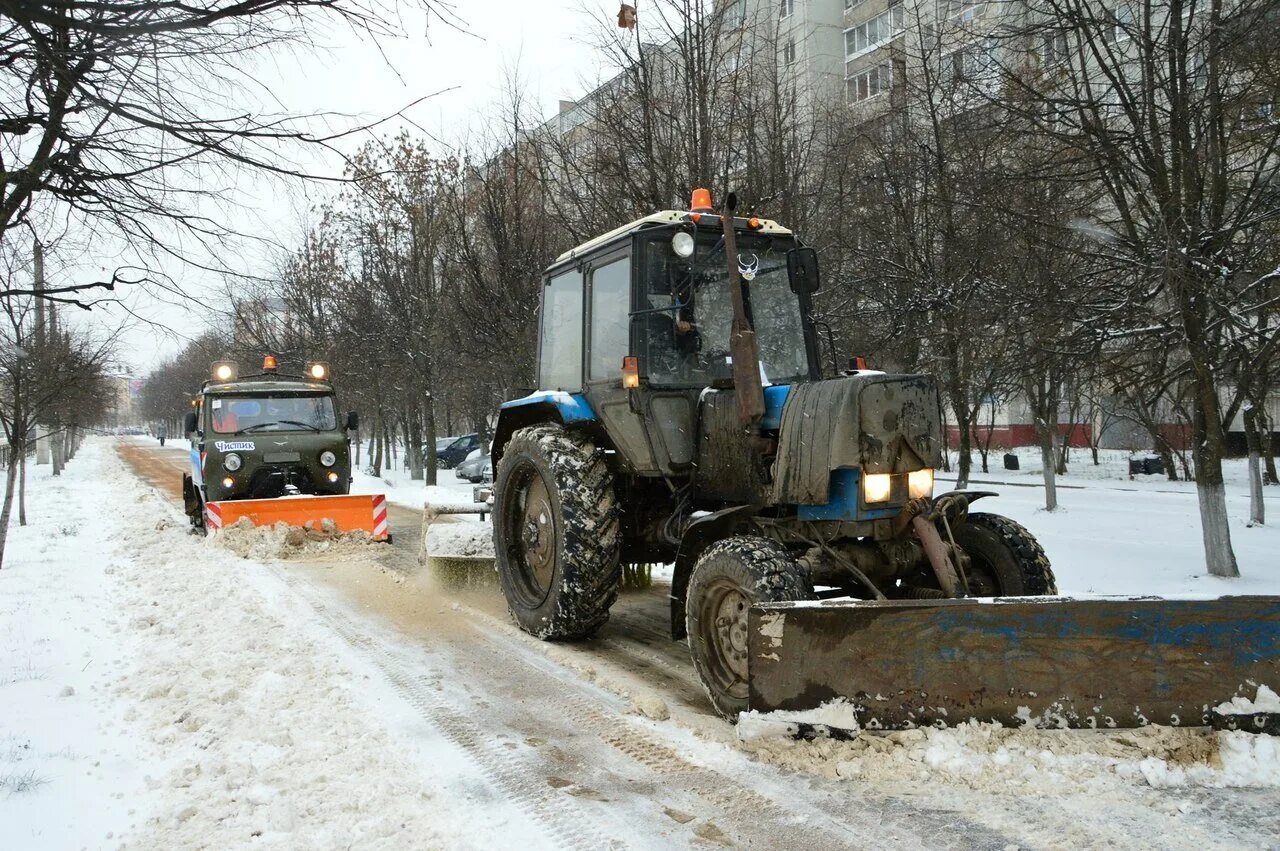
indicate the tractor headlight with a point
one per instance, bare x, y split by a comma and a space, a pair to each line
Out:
682, 244
920, 483
232, 462
328, 459
876, 487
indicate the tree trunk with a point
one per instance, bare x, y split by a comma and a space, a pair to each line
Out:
20, 457
1047, 460
1207, 451
1267, 428
964, 461
413, 445
1257, 511
429, 436
946, 441
10, 475
377, 447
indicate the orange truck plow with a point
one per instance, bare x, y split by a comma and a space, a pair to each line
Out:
351, 513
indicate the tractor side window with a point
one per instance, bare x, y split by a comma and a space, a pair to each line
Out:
610, 318
560, 364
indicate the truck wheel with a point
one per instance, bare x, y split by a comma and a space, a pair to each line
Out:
556, 533
1005, 560
729, 576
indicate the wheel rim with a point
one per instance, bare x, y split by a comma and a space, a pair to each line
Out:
531, 534
982, 577
722, 627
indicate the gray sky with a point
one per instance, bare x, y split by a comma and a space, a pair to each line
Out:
546, 41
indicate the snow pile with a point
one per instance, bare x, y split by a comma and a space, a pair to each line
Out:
283, 541
460, 540
988, 757
1265, 700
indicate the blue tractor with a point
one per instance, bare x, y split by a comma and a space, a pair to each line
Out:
683, 417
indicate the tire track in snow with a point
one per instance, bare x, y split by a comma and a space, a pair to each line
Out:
521, 782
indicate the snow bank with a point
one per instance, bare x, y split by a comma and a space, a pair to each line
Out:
222, 713
988, 757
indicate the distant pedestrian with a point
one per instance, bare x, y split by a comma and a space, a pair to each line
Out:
162, 432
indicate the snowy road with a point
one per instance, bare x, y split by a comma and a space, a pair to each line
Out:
513, 740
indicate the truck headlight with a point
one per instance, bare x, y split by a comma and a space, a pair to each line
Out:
920, 483
876, 487
232, 462
328, 459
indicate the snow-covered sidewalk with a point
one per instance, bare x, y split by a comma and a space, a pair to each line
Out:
158, 691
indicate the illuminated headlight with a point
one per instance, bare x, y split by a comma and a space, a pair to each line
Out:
920, 483
682, 244
876, 487
328, 459
228, 482
232, 462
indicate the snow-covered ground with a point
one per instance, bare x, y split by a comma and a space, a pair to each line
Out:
400, 489
158, 691
1111, 535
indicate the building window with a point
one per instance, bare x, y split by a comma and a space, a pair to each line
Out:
867, 84
1053, 48
1118, 25
736, 14
960, 10
786, 8
789, 52
851, 4
873, 32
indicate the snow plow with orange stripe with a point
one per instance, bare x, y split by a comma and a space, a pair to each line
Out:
270, 448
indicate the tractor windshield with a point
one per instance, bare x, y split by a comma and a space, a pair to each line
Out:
245, 414
686, 332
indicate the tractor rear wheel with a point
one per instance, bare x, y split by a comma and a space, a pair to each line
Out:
729, 576
1005, 560
557, 536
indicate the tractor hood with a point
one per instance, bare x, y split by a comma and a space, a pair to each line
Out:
874, 423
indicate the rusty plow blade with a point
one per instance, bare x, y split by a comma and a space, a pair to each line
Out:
350, 513
1043, 661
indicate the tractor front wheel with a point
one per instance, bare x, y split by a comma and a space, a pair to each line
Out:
556, 533
729, 576
1005, 560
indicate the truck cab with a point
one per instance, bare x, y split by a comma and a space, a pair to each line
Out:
266, 436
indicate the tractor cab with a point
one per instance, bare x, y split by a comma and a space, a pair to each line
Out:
636, 327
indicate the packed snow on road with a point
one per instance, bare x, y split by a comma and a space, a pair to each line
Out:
163, 689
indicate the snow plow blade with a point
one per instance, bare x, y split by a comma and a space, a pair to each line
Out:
351, 513
1047, 661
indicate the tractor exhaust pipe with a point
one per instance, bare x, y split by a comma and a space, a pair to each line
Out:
743, 346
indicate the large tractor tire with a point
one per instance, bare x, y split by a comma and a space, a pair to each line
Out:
728, 577
557, 536
1005, 560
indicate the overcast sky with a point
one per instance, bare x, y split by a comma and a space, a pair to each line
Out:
546, 41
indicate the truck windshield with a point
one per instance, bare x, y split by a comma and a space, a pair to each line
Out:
687, 345
239, 414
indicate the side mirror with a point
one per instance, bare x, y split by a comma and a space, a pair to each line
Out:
802, 268
190, 422
353, 421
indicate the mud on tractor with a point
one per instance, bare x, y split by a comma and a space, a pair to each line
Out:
683, 417
270, 447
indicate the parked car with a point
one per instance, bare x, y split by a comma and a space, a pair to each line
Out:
456, 452
476, 469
